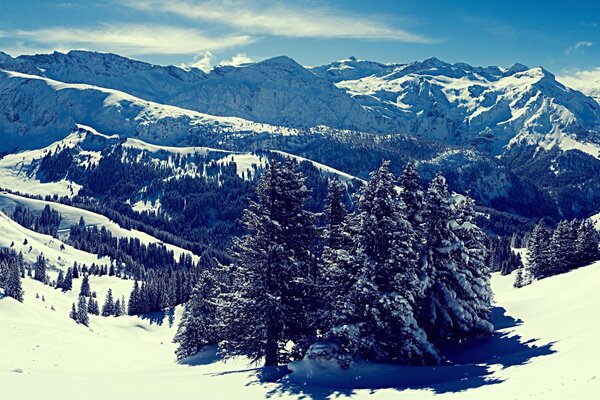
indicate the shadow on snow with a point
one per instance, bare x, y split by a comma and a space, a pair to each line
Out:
468, 368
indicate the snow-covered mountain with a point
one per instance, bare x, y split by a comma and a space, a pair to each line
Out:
489, 107
461, 116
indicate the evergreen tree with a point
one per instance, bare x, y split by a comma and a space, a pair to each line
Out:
73, 313
586, 244
453, 309
472, 279
82, 312
412, 195
93, 307
10, 278
198, 326
39, 272
135, 307
85, 287
60, 280
68, 281
337, 262
271, 276
540, 251
380, 324
108, 308
563, 252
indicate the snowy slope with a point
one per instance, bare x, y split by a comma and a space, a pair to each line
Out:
70, 216
37, 111
545, 348
32, 244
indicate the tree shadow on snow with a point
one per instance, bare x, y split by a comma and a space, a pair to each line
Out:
469, 367
158, 317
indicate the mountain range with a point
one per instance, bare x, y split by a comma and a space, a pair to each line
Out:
517, 139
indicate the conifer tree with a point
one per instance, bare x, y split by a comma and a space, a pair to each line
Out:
381, 323
540, 251
587, 242
266, 306
68, 281
108, 309
73, 313
85, 287
82, 311
10, 278
198, 326
93, 307
39, 273
451, 308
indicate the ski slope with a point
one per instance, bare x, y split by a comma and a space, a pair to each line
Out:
545, 348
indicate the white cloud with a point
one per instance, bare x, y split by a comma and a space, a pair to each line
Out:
238, 59
282, 19
203, 61
127, 39
586, 81
578, 46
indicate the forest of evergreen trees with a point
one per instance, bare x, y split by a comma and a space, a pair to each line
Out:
570, 245
394, 280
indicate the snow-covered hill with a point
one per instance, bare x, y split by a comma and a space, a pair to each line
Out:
36, 111
33, 244
544, 348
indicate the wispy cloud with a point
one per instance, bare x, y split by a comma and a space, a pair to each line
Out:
577, 46
127, 39
282, 19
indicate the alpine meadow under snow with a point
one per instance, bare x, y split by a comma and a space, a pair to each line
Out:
268, 230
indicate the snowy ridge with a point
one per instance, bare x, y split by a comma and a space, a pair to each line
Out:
49, 107
33, 244
71, 217
486, 107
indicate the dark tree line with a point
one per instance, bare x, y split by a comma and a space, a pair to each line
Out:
47, 222
570, 245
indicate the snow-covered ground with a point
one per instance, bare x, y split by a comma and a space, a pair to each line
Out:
545, 348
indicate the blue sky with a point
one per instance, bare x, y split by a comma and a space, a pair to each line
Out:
562, 36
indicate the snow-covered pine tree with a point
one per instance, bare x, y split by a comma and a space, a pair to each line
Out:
39, 273
73, 313
93, 307
82, 311
381, 323
10, 278
540, 251
267, 305
450, 311
85, 287
587, 242
134, 306
198, 326
60, 280
108, 308
337, 261
68, 281
473, 291
562, 249
412, 195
